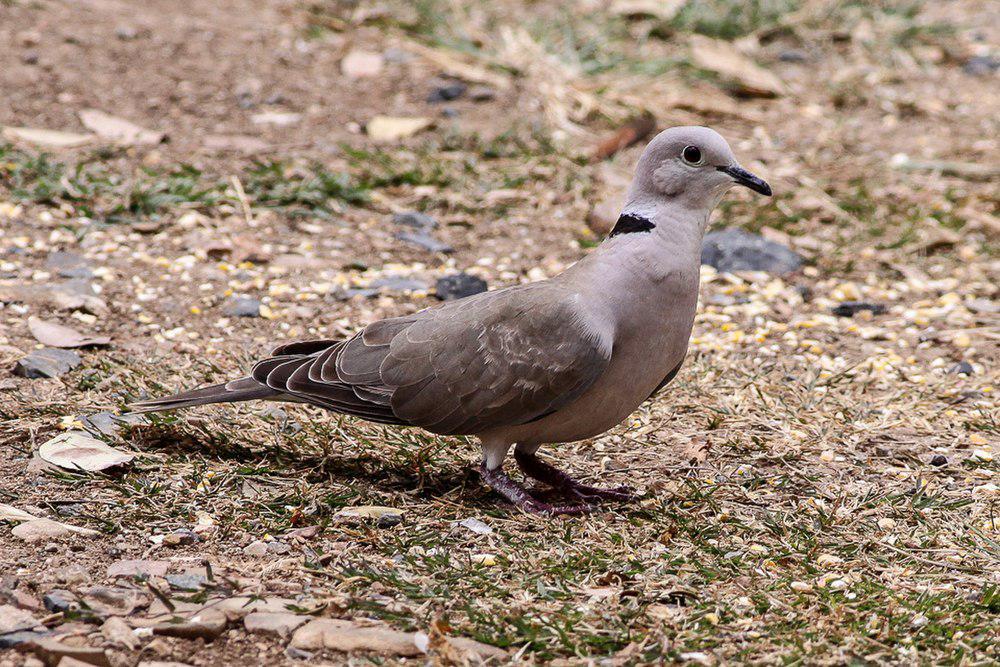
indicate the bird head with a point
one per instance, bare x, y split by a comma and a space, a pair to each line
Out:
692, 167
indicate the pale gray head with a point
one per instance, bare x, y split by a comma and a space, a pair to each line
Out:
688, 167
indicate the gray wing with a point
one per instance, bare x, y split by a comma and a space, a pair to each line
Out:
499, 358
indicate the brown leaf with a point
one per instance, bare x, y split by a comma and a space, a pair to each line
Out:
634, 131
57, 335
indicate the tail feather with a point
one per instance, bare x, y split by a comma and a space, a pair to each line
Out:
244, 389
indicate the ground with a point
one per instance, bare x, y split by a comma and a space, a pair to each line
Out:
815, 488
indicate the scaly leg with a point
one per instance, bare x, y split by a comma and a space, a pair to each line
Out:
535, 468
498, 480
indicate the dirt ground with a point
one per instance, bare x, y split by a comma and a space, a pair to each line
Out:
816, 488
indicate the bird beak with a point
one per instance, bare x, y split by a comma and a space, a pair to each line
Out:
744, 177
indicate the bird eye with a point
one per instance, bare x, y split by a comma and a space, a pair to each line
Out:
691, 155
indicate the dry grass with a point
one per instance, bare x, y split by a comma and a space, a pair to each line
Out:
816, 489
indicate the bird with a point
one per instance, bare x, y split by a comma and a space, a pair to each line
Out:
554, 361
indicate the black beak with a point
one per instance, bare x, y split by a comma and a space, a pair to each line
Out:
744, 177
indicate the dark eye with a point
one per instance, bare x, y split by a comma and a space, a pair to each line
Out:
691, 155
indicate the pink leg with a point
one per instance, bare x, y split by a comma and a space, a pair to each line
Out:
535, 468
499, 481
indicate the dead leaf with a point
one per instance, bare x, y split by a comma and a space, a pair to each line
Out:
117, 129
394, 128
722, 58
77, 451
359, 64
455, 66
633, 131
57, 335
47, 138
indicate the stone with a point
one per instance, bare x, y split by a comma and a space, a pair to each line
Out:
425, 241
730, 250
21, 637
458, 286
49, 362
60, 600
138, 568
415, 219
114, 600
347, 636
13, 619
981, 65
69, 265
70, 575
851, 308
239, 607
275, 624
107, 423
53, 653
962, 367
482, 94
187, 582
117, 631
383, 516
257, 549
207, 624
398, 284
41, 530
242, 306
939, 460
181, 537
446, 93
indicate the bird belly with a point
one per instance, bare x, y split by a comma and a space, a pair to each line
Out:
631, 377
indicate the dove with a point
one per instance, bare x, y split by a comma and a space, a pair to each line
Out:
553, 361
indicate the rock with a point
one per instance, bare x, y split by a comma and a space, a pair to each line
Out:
69, 265
187, 582
106, 423
981, 65
41, 530
276, 118
256, 549
425, 241
60, 600
962, 367
239, 607
415, 219
117, 631
447, 93
347, 636
54, 334
114, 600
458, 286
274, 624
13, 619
180, 537
390, 128
138, 568
53, 653
236, 143
278, 548
851, 308
243, 306
207, 624
939, 460
398, 284
358, 64
71, 575
604, 214
47, 363
793, 56
730, 250
21, 637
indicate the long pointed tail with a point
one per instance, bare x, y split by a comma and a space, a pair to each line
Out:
244, 389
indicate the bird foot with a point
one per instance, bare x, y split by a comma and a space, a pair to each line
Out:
519, 496
537, 469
